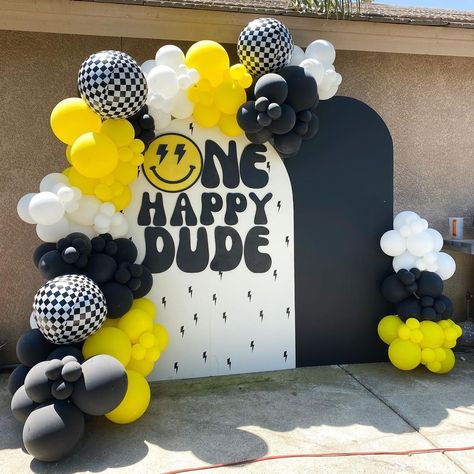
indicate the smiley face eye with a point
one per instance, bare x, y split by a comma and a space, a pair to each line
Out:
162, 152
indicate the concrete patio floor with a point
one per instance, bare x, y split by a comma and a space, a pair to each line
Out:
364, 407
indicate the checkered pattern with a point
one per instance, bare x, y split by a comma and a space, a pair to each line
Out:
69, 308
112, 84
265, 45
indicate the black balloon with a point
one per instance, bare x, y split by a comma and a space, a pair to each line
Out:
17, 378
126, 251
53, 430
313, 128
100, 268
247, 117
37, 384
426, 301
394, 290
287, 144
302, 88
33, 347
448, 304
273, 87
41, 250
118, 297
101, 387
285, 123
22, 405
52, 265
146, 282
406, 277
259, 137
430, 284
429, 314
409, 308
66, 350
71, 372
53, 369
61, 389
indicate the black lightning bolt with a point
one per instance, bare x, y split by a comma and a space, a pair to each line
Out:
252, 345
224, 316
195, 318
229, 363
288, 311
190, 291
249, 294
275, 274
163, 301
162, 151
279, 205
204, 356
214, 298
176, 367
182, 331
268, 166
191, 127
285, 355
287, 240
261, 315
220, 275
180, 151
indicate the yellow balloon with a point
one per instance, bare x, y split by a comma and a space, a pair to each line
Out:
137, 146
123, 200
152, 354
71, 118
210, 59
138, 352
388, 328
103, 192
120, 131
86, 185
434, 366
448, 363
145, 304
94, 155
416, 336
110, 323
229, 97
126, 173
428, 355
147, 340
134, 323
433, 335
135, 402
144, 366
161, 335
404, 332
404, 355
229, 126
111, 341
412, 323
206, 116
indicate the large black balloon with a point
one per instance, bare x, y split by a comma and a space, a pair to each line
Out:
247, 117
17, 378
118, 297
409, 308
394, 290
285, 123
430, 284
302, 88
52, 265
126, 251
146, 282
101, 387
273, 87
259, 137
53, 430
41, 250
37, 383
100, 268
287, 144
66, 350
33, 347
22, 405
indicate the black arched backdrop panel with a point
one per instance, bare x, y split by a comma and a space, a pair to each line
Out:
343, 202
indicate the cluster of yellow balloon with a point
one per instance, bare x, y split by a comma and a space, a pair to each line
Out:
104, 156
420, 342
220, 90
137, 342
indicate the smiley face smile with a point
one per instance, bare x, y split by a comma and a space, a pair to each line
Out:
169, 181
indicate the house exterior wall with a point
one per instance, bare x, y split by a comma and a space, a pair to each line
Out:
426, 101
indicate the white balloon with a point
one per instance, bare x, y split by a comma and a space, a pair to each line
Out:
162, 80
45, 208
392, 243
418, 226
84, 229
405, 260
325, 94
147, 66
50, 180
184, 82
22, 208
430, 258
297, 56
321, 50
420, 244
71, 206
119, 230
88, 208
64, 193
183, 107
405, 231
162, 119
108, 209
169, 55
401, 219
432, 267
315, 68
446, 266
168, 105
155, 101
437, 238
421, 265
193, 75
101, 221
54, 232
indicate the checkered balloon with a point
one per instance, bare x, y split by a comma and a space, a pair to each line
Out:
69, 308
265, 45
112, 84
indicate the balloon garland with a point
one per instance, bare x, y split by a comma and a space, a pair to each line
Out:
421, 332
94, 338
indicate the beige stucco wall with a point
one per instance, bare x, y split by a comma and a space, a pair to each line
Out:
426, 101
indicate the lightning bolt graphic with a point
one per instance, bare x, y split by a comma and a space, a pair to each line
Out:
261, 315
224, 316
204, 356
191, 127
180, 151
195, 318
162, 151
249, 295
252, 345
287, 240
288, 311
190, 291
163, 301
182, 331
214, 298
279, 205
176, 367
229, 363
275, 274
285, 355
268, 166
220, 275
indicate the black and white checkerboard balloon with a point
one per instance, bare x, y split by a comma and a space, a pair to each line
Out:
265, 45
112, 84
69, 308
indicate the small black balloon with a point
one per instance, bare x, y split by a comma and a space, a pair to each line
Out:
100, 268
273, 87
430, 284
53, 430
313, 128
409, 308
426, 301
41, 250
146, 122
122, 275
393, 290
17, 378
53, 369
302, 88
70, 255
111, 248
429, 314
416, 272
22, 405
136, 270
126, 251
37, 384
82, 243
247, 117
147, 136
98, 244
287, 144
71, 371
304, 116
134, 284
118, 297
274, 111
261, 104
61, 389
412, 288
66, 350
263, 119
33, 347
146, 282
439, 307
259, 137
52, 265
285, 123
449, 311
406, 277
301, 128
